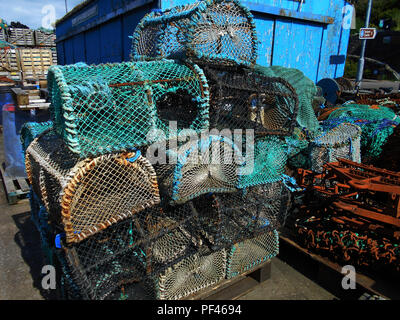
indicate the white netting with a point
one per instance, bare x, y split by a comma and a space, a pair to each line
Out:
213, 31
190, 275
343, 141
247, 255
86, 196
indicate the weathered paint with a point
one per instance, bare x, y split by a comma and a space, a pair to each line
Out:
312, 36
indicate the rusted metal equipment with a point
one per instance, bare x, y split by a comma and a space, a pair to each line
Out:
364, 191
358, 220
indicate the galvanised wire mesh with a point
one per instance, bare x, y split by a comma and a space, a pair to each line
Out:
245, 99
108, 107
87, 196
265, 162
343, 141
247, 255
306, 90
213, 31
30, 130
209, 164
229, 218
112, 263
197, 271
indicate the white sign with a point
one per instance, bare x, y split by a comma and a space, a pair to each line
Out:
367, 33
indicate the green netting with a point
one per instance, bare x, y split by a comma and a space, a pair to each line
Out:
110, 107
377, 124
305, 89
364, 112
213, 31
31, 130
265, 162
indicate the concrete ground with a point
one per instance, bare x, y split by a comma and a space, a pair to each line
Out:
21, 262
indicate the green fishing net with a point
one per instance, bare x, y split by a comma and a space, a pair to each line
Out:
110, 107
31, 130
305, 89
377, 124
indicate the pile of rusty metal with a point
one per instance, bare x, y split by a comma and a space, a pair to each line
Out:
358, 216
391, 101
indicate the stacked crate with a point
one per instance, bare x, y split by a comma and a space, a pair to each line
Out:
35, 62
21, 37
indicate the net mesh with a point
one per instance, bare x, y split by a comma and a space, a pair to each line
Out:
30, 130
195, 272
247, 255
226, 219
218, 32
244, 99
377, 124
109, 107
343, 141
114, 263
86, 196
304, 87
210, 164
265, 162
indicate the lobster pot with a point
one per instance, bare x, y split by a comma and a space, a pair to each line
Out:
111, 264
265, 161
247, 255
214, 31
98, 266
86, 196
210, 164
109, 107
196, 272
245, 99
30, 130
226, 219
343, 141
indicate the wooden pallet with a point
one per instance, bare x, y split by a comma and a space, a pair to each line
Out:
15, 189
233, 289
21, 37
45, 39
35, 62
328, 273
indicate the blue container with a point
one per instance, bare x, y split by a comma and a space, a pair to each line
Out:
5, 98
310, 35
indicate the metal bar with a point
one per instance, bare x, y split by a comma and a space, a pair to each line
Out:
360, 69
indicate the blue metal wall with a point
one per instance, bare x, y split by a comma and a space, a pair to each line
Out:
311, 36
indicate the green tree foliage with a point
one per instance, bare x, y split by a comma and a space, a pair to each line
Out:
381, 9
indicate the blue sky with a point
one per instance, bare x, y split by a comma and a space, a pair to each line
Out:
29, 12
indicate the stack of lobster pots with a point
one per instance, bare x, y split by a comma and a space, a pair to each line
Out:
162, 176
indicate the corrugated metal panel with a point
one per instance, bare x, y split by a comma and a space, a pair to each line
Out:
79, 48
92, 44
111, 41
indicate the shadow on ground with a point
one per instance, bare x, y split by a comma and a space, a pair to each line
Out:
28, 239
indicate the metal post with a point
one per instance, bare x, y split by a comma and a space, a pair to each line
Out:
66, 7
360, 69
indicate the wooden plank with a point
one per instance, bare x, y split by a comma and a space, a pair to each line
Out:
23, 184
8, 183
